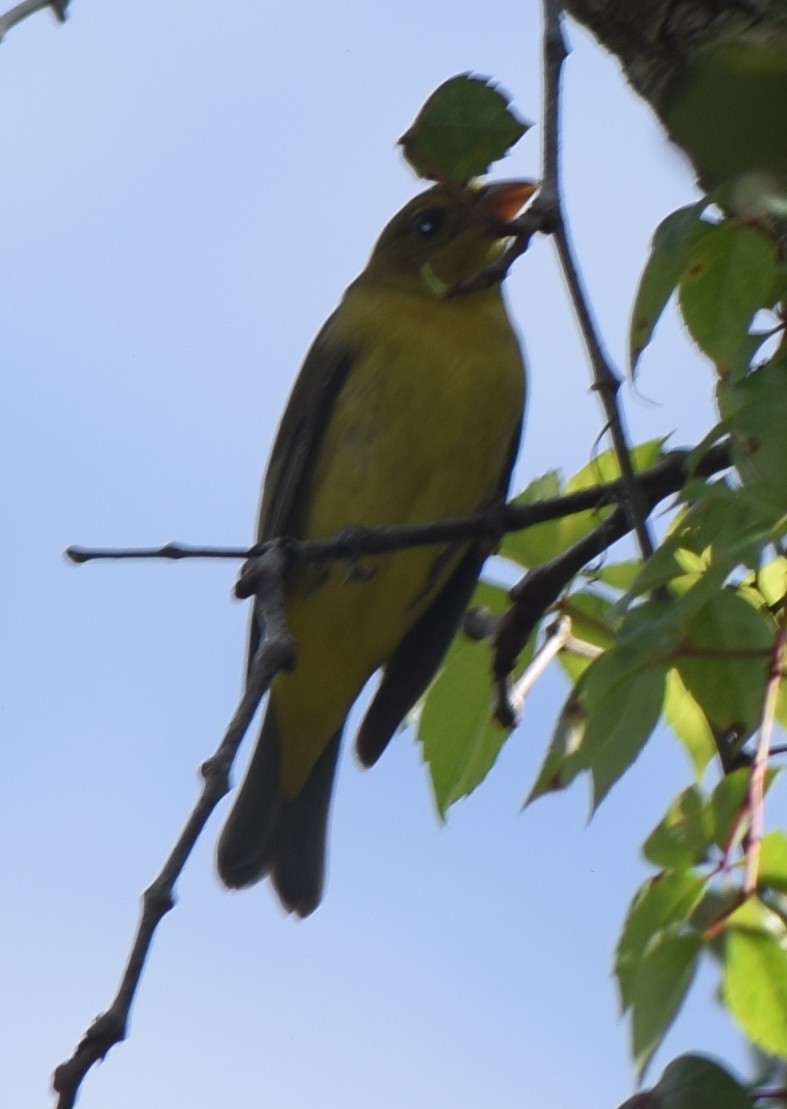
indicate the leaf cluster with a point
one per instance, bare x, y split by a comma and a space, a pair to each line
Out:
692, 637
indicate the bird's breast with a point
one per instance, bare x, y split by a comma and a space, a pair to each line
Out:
423, 425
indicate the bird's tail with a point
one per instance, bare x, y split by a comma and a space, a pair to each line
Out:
269, 834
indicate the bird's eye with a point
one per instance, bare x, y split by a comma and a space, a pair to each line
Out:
429, 221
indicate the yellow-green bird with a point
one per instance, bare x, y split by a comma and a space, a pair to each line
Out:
408, 408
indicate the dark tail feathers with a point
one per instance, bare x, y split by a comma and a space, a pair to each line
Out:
267, 834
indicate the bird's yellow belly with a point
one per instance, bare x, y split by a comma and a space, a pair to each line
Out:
416, 434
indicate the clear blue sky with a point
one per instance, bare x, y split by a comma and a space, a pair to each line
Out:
186, 190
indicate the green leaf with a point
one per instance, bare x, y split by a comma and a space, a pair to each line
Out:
756, 410
723, 528
564, 760
681, 839
689, 723
773, 861
662, 272
728, 276
728, 687
696, 1082
728, 802
664, 900
460, 739
662, 981
619, 575
755, 982
623, 706
544, 541
465, 125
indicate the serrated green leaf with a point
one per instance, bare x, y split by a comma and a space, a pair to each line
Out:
696, 1082
728, 276
689, 723
681, 839
623, 705
465, 125
664, 900
459, 738
662, 981
755, 986
673, 236
756, 412
727, 686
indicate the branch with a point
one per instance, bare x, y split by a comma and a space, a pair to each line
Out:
542, 585
756, 794
659, 481
277, 652
605, 380
30, 7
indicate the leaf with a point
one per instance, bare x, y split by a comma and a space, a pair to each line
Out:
664, 900
755, 982
673, 236
564, 760
728, 276
689, 723
727, 803
756, 410
662, 981
696, 1082
541, 542
773, 862
681, 839
460, 739
721, 526
544, 541
465, 125
620, 575
727, 687
623, 706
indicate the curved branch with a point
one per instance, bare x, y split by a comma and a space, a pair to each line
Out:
30, 7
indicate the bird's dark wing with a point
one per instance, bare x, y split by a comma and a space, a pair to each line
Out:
413, 664
297, 441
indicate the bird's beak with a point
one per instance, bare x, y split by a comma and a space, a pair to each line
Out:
503, 200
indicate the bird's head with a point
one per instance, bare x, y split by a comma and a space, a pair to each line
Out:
446, 235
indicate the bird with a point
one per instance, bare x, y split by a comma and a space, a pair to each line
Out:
408, 408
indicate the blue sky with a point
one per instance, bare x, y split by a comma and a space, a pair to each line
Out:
186, 191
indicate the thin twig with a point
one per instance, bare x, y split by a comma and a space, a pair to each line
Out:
605, 381
513, 701
756, 794
30, 7
663, 479
277, 652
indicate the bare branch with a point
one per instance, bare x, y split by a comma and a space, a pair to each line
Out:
510, 704
277, 652
759, 766
659, 481
605, 380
